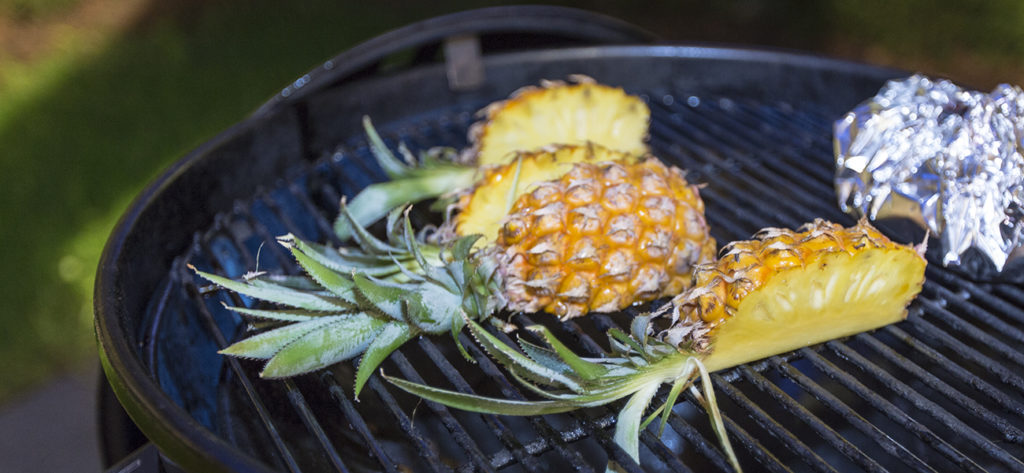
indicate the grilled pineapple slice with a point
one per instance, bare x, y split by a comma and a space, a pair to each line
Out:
779, 292
533, 120
560, 113
785, 290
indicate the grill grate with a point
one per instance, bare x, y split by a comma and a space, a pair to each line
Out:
939, 392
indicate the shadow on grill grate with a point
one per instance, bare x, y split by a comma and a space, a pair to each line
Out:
939, 392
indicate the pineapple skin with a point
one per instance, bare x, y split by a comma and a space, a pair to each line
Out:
786, 290
603, 237
559, 113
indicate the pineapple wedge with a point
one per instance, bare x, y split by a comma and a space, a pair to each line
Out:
560, 113
786, 290
781, 291
532, 120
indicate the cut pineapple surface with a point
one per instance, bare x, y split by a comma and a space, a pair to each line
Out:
560, 113
484, 209
838, 295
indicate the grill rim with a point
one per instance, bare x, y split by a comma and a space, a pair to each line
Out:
181, 438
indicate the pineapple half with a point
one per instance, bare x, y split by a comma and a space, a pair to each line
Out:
532, 120
779, 292
570, 230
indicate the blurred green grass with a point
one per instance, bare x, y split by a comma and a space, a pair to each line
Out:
81, 133
82, 130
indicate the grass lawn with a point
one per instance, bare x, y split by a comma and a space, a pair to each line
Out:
87, 122
83, 129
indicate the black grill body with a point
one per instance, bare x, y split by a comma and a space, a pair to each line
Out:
941, 391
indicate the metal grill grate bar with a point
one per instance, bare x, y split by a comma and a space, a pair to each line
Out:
965, 306
1009, 432
752, 446
272, 431
837, 405
926, 405
746, 142
295, 397
832, 437
497, 426
960, 373
934, 334
426, 451
961, 327
879, 403
350, 413
309, 420
459, 433
807, 455
708, 128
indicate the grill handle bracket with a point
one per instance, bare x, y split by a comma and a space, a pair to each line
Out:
463, 64
504, 28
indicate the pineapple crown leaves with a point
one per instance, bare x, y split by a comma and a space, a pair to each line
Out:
368, 299
434, 174
636, 367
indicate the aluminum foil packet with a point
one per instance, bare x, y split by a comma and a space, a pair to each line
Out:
947, 158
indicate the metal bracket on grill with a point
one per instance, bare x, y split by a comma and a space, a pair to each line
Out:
462, 62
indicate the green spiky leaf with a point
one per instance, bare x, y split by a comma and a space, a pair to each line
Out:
347, 261
267, 344
385, 300
338, 284
376, 200
392, 336
482, 404
582, 368
627, 427
433, 308
621, 337
283, 315
325, 345
544, 356
363, 238
394, 226
456, 328
521, 364
463, 246
391, 165
279, 294
297, 282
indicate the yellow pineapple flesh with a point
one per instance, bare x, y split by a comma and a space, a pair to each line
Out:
603, 236
484, 208
786, 290
560, 113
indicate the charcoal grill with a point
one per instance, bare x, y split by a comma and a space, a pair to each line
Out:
941, 391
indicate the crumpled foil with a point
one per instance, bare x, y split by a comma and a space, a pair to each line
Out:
947, 158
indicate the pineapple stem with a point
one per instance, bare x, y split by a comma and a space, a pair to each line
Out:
682, 370
409, 183
510, 199
710, 405
376, 200
627, 427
